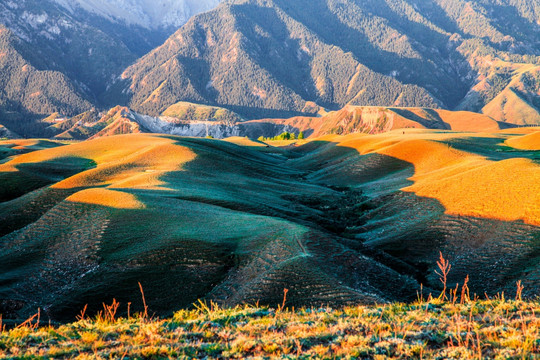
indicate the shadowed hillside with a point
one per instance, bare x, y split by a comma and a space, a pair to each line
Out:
107, 216
25, 88
338, 220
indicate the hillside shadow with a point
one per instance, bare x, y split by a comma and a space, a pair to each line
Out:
413, 229
436, 123
493, 149
33, 176
236, 225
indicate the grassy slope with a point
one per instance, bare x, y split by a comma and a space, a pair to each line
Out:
480, 329
219, 219
196, 112
467, 195
234, 224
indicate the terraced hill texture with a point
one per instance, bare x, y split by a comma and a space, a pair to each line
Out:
336, 220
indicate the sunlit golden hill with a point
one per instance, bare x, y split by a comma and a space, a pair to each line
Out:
378, 119
188, 119
335, 220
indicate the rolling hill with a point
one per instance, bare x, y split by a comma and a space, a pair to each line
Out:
376, 120
188, 119
336, 220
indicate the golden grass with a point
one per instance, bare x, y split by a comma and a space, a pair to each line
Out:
468, 121
527, 142
130, 161
376, 119
106, 197
243, 141
423, 330
463, 182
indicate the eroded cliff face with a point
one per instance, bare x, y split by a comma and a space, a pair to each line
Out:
6, 134
168, 125
215, 129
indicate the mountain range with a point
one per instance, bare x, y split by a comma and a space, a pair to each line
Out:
268, 58
58, 56
278, 58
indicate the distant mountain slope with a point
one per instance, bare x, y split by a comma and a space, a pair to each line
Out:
25, 89
260, 57
6, 134
519, 101
87, 45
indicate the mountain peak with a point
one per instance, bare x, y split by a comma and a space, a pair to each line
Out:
151, 14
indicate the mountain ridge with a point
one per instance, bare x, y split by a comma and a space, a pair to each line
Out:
271, 58
149, 14
84, 48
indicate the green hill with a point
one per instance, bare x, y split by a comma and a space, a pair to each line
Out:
338, 220
194, 112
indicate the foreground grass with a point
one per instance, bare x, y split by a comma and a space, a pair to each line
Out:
479, 329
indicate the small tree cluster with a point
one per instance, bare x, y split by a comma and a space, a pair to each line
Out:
284, 136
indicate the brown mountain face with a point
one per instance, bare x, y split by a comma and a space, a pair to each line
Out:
276, 58
508, 92
91, 124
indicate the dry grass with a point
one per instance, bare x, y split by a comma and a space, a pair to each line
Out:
494, 328
527, 142
465, 183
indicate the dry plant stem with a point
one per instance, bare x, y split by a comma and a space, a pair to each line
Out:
110, 310
465, 291
444, 268
144, 302
421, 295
81, 316
28, 322
519, 290
454, 294
285, 291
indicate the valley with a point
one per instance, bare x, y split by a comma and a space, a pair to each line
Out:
336, 219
